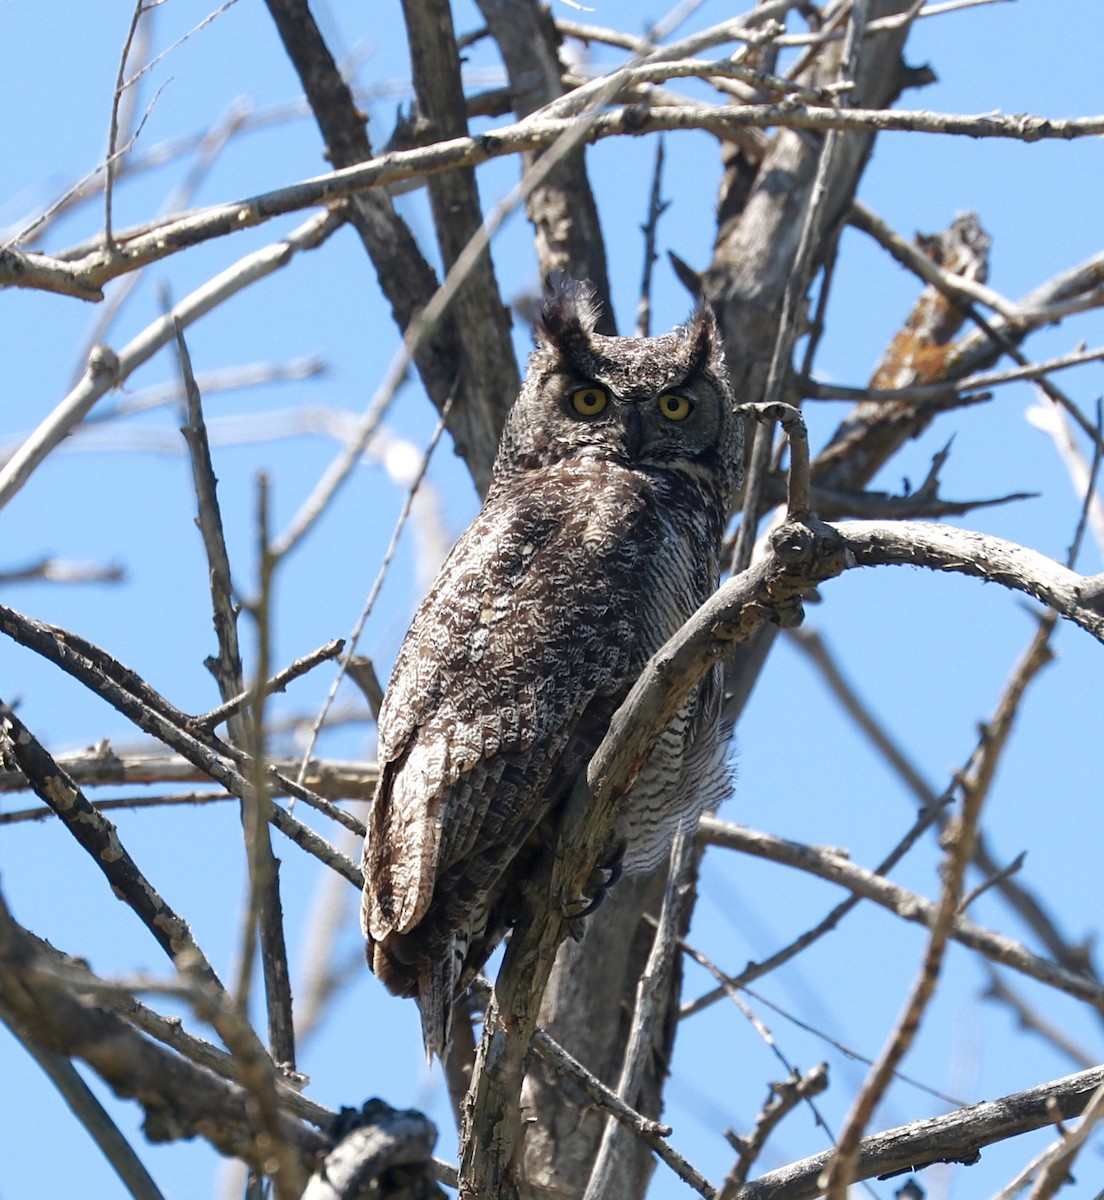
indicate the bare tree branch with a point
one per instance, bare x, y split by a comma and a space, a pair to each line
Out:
180, 1099
99, 837
784, 1098
956, 1137
84, 274
907, 905
93, 1116
104, 767
107, 370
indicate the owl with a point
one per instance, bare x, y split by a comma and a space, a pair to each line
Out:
600, 535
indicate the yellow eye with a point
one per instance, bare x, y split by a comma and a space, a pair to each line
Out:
675, 407
589, 401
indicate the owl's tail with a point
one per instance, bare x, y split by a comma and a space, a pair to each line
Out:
437, 987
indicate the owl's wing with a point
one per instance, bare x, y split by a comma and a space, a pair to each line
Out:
527, 628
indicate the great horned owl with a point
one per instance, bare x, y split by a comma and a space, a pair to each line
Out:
599, 537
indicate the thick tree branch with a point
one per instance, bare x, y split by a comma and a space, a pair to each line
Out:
100, 839
801, 556
180, 1099
957, 1137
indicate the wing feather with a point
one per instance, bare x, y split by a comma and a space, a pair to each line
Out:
519, 634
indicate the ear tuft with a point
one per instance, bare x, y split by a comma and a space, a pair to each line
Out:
569, 312
702, 336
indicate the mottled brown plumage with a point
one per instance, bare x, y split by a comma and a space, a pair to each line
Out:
599, 536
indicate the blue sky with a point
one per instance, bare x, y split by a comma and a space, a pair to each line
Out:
929, 653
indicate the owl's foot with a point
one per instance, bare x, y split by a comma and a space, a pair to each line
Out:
605, 874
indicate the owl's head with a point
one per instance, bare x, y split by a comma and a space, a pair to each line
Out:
656, 402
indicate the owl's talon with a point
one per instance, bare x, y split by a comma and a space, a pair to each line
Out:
605, 874
576, 911
601, 878
613, 865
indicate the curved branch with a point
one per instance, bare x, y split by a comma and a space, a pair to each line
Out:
376, 1141
1078, 598
801, 556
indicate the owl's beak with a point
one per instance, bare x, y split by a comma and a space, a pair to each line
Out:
633, 430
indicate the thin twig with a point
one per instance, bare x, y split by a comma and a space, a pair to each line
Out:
818, 323
113, 133
657, 206
952, 389
905, 904
57, 570
278, 683
1090, 504
265, 912
44, 813
220, 379
227, 667
366, 611
211, 16
784, 1097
